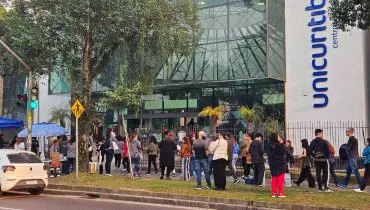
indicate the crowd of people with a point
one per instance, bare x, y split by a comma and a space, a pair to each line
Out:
203, 156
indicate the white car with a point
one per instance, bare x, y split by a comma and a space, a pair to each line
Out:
22, 171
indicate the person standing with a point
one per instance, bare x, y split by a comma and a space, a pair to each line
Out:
125, 160
319, 149
289, 155
231, 143
109, 151
256, 150
277, 161
366, 154
185, 158
305, 166
352, 159
19, 144
135, 153
167, 148
332, 163
246, 156
220, 158
118, 152
152, 154
71, 155
90, 145
200, 148
192, 157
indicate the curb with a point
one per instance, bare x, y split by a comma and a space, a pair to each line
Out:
175, 199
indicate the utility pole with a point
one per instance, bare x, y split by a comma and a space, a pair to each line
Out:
29, 84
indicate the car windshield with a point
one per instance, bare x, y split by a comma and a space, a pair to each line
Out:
23, 158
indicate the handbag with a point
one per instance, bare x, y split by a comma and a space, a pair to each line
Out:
114, 144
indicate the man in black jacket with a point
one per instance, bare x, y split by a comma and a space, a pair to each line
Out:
352, 159
319, 150
256, 150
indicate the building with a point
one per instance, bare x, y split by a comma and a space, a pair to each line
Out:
283, 54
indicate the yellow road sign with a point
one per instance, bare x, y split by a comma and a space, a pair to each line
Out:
77, 109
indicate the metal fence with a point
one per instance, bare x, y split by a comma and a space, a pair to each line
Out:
334, 132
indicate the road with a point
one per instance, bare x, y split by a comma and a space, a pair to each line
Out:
46, 202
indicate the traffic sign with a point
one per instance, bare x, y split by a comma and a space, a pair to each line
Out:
77, 109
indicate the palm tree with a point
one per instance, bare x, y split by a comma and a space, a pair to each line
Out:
60, 116
213, 113
254, 114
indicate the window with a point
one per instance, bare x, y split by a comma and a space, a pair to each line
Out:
23, 158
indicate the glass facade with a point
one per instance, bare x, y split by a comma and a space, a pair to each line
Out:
239, 60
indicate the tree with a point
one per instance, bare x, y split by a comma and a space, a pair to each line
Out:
214, 114
254, 114
79, 38
60, 116
347, 14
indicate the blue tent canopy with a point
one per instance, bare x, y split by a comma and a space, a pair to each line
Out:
6, 123
44, 130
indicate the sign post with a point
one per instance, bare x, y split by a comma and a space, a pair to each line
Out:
77, 110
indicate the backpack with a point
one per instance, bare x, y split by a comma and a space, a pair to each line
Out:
318, 153
343, 152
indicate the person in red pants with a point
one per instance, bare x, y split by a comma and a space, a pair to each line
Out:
277, 161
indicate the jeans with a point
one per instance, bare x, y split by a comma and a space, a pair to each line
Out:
210, 163
192, 165
332, 172
352, 167
366, 176
136, 167
117, 160
259, 172
322, 180
235, 159
202, 164
277, 184
108, 162
152, 159
71, 163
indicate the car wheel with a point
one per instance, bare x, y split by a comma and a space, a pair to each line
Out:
35, 191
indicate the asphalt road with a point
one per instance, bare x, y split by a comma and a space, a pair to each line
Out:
46, 202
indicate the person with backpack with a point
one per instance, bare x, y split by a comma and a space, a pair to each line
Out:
305, 166
353, 155
366, 154
319, 150
332, 163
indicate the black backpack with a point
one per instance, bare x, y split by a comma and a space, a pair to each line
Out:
318, 153
343, 152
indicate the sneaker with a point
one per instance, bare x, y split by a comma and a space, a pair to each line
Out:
208, 187
147, 174
328, 190
260, 185
198, 188
281, 196
274, 195
243, 177
359, 190
156, 173
173, 174
236, 181
108, 174
319, 190
124, 170
161, 177
342, 186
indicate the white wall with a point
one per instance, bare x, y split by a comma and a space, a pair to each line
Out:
345, 76
345, 69
48, 102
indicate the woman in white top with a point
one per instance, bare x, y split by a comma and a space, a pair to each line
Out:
220, 158
19, 144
